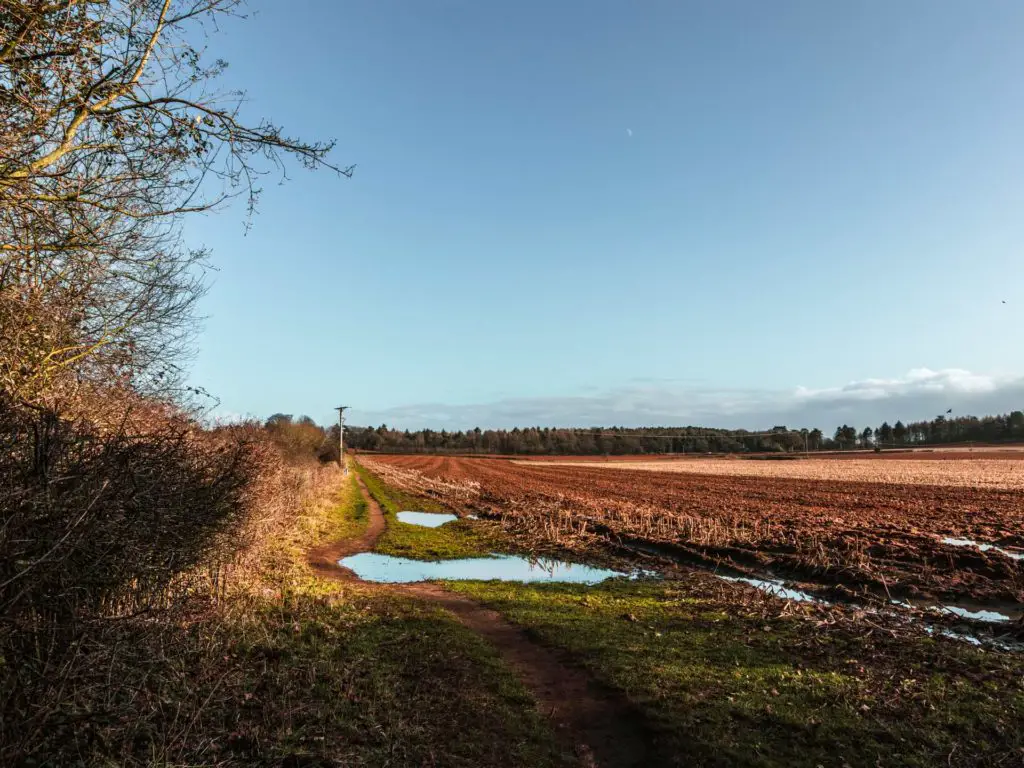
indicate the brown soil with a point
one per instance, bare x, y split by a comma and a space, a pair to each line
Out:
952, 451
594, 722
856, 534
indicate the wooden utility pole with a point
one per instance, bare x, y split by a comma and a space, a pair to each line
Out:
341, 437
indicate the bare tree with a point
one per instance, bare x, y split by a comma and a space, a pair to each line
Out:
111, 130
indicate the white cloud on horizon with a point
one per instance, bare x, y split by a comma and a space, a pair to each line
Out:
952, 380
919, 394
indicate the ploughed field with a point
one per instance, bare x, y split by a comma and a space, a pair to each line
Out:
1005, 472
858, 527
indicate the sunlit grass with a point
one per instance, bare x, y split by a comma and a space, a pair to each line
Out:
451, 541
291, 668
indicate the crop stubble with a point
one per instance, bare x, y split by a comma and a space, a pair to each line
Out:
850, 533
1006, 473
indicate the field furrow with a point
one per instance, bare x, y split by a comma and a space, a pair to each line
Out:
836, 522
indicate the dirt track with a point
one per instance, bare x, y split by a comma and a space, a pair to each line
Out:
595, 723
324, 559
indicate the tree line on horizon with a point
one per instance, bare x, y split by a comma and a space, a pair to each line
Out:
625, 441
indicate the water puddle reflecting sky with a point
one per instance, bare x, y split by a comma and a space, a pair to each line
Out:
966, 613
779, 589
983, 547
426, 519
776, 588
371, 566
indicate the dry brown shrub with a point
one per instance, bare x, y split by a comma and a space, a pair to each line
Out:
133, 520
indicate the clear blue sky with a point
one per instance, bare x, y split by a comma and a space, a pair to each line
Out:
563, 204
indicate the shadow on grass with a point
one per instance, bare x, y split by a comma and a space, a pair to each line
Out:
343, 679
116, 650
734, 687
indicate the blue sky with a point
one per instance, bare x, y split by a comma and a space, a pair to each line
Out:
610, 212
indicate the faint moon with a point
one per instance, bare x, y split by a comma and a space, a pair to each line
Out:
629, 131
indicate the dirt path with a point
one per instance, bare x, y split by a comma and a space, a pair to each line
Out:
324, 560
601, 728
595, 722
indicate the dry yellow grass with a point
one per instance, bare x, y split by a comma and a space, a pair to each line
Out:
969, 473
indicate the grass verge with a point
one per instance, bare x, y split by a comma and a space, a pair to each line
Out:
294, 670
728, 687
451, 541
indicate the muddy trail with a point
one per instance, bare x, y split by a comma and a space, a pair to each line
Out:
324, 559
595, 723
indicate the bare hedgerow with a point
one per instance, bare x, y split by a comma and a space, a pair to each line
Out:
112, 129
106, 528
115, 506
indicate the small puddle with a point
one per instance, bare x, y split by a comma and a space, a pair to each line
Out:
426, 519
966, 613
983, 547
371, 566
774, 587
779, 589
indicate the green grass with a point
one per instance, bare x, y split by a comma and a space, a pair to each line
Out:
370, 680
725, 687
297, 670
283, 564
364, 677
451, 541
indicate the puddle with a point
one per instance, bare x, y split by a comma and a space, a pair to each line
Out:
371, 566
776, 588
779, 589
971, 639
1003, 644
965, 613
983, 547
974, 612
773, 586
426, 519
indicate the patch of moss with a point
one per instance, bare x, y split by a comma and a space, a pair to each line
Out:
451, 541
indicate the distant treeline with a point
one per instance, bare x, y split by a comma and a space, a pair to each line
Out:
623, 441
